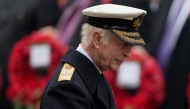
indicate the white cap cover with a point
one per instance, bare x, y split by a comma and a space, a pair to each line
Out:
123, 21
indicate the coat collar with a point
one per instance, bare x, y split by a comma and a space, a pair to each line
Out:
79, 61
95, 82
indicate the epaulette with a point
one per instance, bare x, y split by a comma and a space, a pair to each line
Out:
66, 72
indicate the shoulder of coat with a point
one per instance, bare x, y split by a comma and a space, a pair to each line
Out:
66, 72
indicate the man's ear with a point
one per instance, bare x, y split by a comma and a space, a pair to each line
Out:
96, 39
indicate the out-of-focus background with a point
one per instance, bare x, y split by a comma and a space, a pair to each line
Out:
35, 34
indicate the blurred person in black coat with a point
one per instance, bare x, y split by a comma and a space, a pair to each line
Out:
179, 61
17, 19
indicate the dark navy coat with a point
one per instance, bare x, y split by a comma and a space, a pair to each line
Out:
87, 88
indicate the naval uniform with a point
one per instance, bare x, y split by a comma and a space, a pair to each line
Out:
83, 87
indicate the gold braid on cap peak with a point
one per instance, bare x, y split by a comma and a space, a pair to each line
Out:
125, 35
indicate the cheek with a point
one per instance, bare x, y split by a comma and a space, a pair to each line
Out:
111, 54
115, 52
110, 59
113, 63
107, 57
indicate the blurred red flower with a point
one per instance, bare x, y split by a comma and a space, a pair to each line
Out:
26, 84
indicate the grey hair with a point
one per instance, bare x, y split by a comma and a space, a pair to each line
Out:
87, 31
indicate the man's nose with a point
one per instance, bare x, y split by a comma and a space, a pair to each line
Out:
126, 54
126, 51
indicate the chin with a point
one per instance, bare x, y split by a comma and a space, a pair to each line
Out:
115, 68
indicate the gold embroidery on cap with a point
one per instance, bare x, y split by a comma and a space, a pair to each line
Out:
125, 35
66, 72
137, 21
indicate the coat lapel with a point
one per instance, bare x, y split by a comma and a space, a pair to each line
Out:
102, 92
109, 95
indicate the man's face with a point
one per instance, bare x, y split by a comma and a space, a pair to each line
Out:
112, 55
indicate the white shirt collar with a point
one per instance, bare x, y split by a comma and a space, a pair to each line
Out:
81, 50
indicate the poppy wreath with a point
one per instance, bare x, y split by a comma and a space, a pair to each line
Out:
26, 84
149, 95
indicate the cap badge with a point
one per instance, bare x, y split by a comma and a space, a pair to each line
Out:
66, 72
137, 21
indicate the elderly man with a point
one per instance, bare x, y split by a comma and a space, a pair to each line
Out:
78, 82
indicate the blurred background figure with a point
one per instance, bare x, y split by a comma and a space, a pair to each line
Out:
173, 50
139, 83
18, 18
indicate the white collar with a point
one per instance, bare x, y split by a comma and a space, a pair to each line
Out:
81, 50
